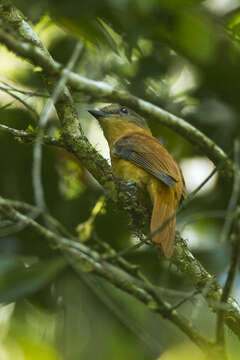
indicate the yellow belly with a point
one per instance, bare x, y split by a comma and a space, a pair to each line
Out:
127, 171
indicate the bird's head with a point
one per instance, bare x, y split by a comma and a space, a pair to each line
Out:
118, 120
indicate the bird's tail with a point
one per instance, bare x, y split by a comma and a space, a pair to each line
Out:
163, 208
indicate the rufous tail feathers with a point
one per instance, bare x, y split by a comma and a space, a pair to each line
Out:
164, 207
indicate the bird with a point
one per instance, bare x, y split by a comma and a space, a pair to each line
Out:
139, 158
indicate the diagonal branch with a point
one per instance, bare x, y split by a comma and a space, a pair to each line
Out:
210, 288
76, 143
37, 149
185, 261
99, 90
29, 137
82, 258
22, 101
231, 220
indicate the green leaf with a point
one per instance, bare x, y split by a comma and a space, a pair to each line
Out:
233, 23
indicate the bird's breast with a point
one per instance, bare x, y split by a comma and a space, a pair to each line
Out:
130, 172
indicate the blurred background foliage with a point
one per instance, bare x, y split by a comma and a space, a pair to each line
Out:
181, 55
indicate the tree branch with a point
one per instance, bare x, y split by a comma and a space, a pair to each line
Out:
210, 288
25, 43
18, 98
235, 238
49, 106
83, 258
31, 50
30, 137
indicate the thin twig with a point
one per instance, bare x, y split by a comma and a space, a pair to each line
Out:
185, 299
124, 316
220, 334
202, 215
204, 292
165, 223
234, 197
7, 105
184, 203
107, 92
30, 137
101, 90
81, 257
15, 132
20, 205
24, 92
106, 272
128, 267
14, 228
16, 97
182, 206
128, 250
37, 150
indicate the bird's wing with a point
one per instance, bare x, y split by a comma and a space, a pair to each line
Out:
147, 152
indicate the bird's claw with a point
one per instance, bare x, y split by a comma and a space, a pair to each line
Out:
131, 185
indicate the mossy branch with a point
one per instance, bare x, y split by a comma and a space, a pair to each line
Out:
23, 41
29, 47
85, 259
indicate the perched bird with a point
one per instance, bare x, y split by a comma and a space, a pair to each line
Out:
139, 157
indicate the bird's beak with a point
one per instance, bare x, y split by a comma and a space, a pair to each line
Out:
97, 113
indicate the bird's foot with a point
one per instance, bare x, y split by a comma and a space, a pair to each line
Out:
132, 186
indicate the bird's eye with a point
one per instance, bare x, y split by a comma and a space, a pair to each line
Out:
124, 110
